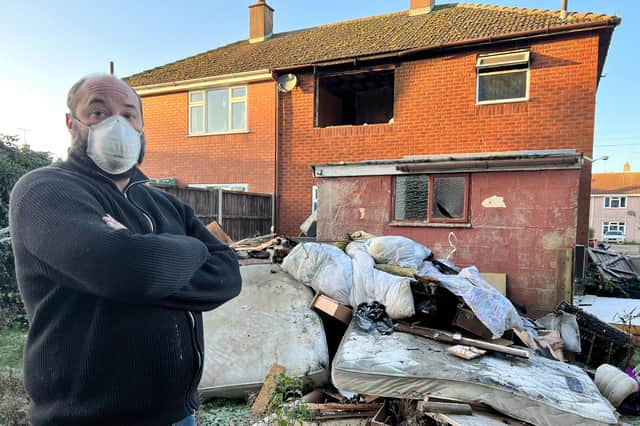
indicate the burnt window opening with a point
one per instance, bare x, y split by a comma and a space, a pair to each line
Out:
355, 98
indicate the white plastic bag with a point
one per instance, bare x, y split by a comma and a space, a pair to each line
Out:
323, 267
400, 251
370, 284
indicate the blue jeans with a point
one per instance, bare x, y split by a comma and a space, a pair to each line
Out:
187, 421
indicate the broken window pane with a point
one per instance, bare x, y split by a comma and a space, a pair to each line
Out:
448, 197
411, 197
355, 98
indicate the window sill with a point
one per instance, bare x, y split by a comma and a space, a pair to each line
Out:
502, 101
429, 224
230, 132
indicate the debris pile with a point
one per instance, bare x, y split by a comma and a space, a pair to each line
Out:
384, 333
612, 274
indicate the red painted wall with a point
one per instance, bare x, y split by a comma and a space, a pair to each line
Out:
231, 158
521, 240
435, 113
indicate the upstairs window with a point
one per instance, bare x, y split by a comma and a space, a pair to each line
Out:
615, 202
503, 77
432, 198
355, 98
219, 110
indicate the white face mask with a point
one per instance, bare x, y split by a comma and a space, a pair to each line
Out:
113, 144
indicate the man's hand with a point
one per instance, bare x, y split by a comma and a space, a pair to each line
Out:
112, 223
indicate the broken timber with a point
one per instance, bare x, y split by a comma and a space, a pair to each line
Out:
268, 388
444, 336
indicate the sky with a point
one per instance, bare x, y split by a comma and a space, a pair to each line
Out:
46, 46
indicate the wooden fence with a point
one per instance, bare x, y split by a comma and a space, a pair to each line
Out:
241, 214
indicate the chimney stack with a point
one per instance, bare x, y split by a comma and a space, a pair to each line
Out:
627, 167
563, 9
260, 22
419, 7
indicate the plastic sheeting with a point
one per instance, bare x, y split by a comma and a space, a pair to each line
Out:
490, 307
536, 390
269, 322
399, 251
349, 279
323, 267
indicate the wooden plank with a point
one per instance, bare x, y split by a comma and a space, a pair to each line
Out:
268, 388
476, 419
444, 336
345, 407
565, 273
466, 352
219, 233
444, 407
332, 308
497, 280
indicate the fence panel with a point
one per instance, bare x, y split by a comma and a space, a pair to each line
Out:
244, 214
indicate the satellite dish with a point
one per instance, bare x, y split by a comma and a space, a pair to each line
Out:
287, 82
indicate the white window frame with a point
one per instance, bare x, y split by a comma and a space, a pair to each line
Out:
314, 198
617, 226
480, 67
620, 199
241, 187
232, 100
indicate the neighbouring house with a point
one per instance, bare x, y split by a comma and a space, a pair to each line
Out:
511, 91
615, 203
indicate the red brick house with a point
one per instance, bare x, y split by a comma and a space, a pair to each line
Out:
448, 79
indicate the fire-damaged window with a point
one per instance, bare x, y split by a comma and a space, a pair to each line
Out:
355, 98
503, 77
432, 198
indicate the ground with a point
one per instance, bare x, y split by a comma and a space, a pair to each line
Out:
14, 402
626, 248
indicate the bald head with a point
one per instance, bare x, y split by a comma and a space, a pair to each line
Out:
100, 82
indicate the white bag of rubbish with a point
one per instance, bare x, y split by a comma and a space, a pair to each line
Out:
370, 284
400, 251
323, 267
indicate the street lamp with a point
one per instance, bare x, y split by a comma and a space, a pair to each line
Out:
593, 160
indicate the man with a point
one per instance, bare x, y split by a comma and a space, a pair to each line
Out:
114, 275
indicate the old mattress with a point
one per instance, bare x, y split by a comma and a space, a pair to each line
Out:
269, 322
536, 390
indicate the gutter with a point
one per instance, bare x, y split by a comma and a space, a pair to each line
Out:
200, 83
490, 164
528, 34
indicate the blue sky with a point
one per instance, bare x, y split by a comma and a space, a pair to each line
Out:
46, 46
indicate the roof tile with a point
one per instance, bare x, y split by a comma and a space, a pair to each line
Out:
363, 37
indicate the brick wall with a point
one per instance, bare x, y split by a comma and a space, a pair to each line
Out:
525, 239
435, 113
232, 158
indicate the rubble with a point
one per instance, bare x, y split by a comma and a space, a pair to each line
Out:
445, 354
613, 274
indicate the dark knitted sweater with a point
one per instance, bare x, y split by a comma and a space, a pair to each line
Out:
115, 334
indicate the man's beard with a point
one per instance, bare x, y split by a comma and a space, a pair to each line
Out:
78, 150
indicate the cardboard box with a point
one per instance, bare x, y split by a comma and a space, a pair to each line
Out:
498, 280
332, 308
